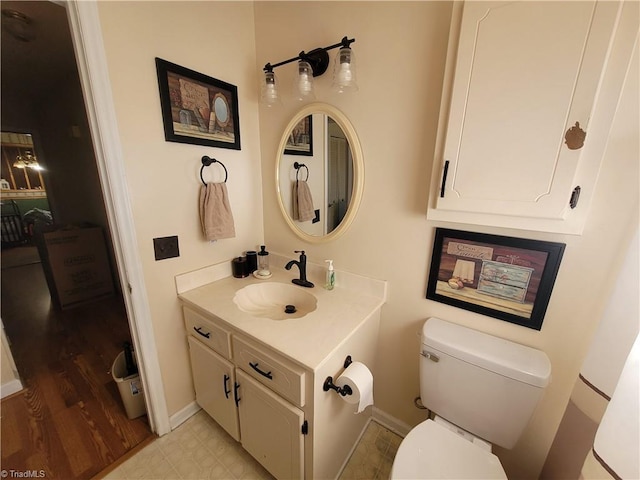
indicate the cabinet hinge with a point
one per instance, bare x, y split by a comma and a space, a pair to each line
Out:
305, 427
575, 196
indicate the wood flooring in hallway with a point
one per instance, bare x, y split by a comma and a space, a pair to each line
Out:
69, 421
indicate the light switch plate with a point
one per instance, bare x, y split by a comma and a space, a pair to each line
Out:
166, 247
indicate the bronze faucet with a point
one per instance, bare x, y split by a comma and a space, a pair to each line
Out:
302, 266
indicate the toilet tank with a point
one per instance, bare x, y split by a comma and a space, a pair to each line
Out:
486, 385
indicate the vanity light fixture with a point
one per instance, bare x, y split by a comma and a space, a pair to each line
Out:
313, 64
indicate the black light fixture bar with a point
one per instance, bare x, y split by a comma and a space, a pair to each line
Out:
318, 58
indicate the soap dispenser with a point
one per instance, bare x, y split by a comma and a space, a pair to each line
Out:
263, 263
331, 276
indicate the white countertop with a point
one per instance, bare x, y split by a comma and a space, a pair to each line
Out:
308, 340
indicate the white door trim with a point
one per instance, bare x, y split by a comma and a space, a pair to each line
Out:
84, 23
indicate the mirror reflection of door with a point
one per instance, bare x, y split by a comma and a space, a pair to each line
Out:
339, 175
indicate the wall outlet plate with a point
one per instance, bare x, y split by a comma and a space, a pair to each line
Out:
166, 247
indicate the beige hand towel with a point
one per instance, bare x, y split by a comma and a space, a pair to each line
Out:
302, 202
216, 217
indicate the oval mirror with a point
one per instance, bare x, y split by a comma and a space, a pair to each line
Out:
319, 173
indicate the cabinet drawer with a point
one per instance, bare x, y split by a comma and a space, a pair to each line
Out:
277, 373
209, 333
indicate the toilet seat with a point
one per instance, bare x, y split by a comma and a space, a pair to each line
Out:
431, 451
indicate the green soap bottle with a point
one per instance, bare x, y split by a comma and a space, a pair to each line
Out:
331, 276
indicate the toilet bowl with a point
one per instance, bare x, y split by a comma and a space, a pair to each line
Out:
432, 450
485, 387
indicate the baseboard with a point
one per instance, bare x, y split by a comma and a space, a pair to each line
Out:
390, 422
183, 415
9, 388
383, 418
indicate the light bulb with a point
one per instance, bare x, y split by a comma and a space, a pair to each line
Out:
304, 84
269, 92
344, 73
303, 87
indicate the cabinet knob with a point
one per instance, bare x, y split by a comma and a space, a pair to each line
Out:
574, 137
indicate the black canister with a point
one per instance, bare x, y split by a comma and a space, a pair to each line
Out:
239, 267
252, 261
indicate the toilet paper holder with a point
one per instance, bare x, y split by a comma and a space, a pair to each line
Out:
329, 385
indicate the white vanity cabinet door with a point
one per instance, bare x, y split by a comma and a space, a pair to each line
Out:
214, 381
271, 429
525, 73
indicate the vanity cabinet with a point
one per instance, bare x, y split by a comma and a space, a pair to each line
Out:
249, 394
262, 379
530, 90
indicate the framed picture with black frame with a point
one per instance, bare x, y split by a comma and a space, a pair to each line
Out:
502, 277
300, 141
196, 108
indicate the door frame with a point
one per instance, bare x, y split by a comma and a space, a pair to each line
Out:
84, 23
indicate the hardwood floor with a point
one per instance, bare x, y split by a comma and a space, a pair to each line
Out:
69, 421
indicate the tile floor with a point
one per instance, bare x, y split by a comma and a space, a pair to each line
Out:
199, 449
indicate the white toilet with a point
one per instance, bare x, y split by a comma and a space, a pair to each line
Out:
482, 390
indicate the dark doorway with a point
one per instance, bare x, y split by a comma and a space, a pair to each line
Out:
69, 420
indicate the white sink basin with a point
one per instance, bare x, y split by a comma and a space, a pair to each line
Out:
274, 300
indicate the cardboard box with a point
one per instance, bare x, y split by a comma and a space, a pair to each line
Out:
76, 265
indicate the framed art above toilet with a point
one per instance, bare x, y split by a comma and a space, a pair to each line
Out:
503, 277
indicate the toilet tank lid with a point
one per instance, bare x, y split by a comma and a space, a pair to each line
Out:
513, 360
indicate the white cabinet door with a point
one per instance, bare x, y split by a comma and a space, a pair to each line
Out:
271, 429
214, 382
525, 74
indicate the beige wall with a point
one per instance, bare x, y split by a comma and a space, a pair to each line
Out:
400, 50
216, 39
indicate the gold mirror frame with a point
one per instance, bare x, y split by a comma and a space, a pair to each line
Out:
358, 171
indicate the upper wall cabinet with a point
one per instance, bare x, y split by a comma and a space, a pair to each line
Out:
530, 92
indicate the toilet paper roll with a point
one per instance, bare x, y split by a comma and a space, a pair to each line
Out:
359, 378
